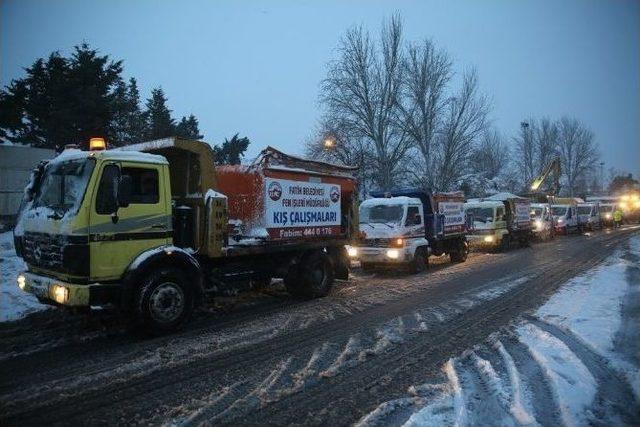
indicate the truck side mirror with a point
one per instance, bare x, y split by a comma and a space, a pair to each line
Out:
124, 191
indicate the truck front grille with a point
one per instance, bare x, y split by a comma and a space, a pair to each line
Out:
376, 243
57, 253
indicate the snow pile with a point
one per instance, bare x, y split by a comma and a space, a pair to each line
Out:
14, 303
570, 364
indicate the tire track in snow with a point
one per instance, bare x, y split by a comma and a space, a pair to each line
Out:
614, 394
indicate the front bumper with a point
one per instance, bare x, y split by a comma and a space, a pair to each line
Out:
381, 255
65, 293
483, 240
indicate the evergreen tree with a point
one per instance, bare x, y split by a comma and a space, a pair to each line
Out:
93, 80
188, 128
64, 100
159, 121
61, 100
129, 122
231, 151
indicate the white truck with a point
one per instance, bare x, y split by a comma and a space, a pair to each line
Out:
565, 214
542, 222
499, 220
589, 216
402, 228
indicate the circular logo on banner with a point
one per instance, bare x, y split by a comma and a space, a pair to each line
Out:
334, 194
274, 191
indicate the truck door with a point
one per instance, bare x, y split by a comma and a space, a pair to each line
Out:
501, 218
414, 223
117, 238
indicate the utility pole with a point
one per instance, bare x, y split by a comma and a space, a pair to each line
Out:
602, 178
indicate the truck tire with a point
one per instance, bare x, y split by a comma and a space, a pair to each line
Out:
461, 252
420, 262
164, 302
314, 277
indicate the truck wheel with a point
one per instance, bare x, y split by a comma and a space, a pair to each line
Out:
419, 262
164, 301
460, 254
315, 276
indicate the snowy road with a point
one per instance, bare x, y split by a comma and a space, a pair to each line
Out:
523, 338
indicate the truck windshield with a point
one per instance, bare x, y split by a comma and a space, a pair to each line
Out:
558, 210
481, 214
381, 214
606, 208
584, 210
63, 185
536, 213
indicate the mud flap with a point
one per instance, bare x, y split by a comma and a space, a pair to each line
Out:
341, 263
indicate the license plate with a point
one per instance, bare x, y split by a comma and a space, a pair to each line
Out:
39, 289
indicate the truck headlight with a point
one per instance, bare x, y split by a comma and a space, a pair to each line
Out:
352, 252
60, 294
22, 281
488, 239
560, 220
538, 224
608, 216
393, 253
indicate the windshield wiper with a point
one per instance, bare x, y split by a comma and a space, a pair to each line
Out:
367, 224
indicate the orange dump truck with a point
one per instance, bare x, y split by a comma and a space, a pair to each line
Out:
285, 216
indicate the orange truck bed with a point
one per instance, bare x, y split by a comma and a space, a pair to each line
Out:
281, 197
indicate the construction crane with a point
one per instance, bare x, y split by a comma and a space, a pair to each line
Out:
553, 167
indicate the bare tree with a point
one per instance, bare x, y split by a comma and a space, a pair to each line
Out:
578, 151
426, 74
525, 151
545, 134
465, 120
347, 149
491, 155
362, 88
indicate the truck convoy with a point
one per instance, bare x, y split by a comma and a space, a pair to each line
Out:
499, 220
147, 228
403, 227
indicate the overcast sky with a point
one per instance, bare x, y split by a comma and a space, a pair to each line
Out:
255, 67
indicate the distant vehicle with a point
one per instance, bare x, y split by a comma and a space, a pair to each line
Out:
606, 214
542, 221
589, 216
402, 228
565, 214
146, 227
499, 220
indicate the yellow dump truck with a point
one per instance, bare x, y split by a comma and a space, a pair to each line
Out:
148, 229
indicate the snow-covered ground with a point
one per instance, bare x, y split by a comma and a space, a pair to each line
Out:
14, 303
572, 363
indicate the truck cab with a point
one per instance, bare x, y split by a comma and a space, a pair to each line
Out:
566, 218
489, 223
542, 222
499, 220
606, 214
589, 216
402, 228
393, 230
